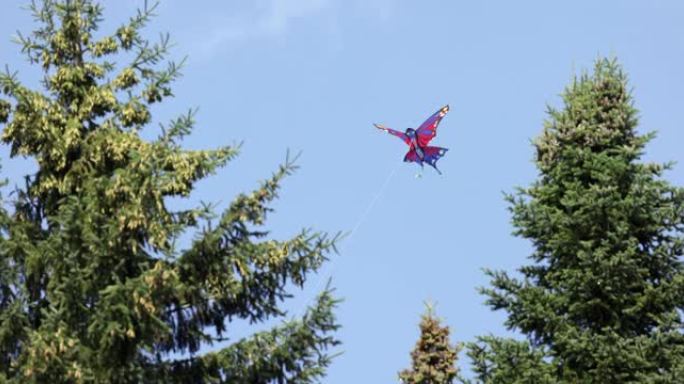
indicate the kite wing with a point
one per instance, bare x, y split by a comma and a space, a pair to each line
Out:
430, 155
428, 130
412, 156
391, 131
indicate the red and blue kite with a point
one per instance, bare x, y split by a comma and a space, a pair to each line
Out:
418, 140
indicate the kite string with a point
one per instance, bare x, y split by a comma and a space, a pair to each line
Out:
372, 203
331, 264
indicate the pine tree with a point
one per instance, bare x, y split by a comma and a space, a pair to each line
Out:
93, 286
601, 301
433, 358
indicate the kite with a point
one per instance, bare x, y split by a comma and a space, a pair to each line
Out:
418, 140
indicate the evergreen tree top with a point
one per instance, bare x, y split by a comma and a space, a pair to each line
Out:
93, 287
434, 357
598, 117
600, 302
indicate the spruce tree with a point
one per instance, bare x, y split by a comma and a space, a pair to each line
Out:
93, 285
601, 300
433, 360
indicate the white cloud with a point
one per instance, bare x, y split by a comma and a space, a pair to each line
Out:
270, 18
275, 18
379, 9
283, 12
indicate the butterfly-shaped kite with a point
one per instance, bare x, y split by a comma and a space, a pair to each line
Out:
418, 140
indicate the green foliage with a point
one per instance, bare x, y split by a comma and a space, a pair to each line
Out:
92, 285
505, 361
602, 301
433, 358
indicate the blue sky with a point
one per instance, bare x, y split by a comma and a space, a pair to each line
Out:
313, 75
